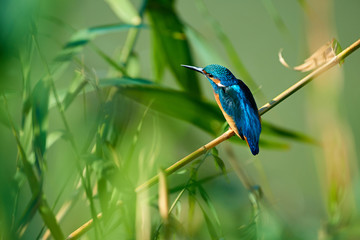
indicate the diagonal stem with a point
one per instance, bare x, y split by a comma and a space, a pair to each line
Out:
275, 101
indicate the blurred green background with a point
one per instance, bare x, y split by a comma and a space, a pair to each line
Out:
94, 102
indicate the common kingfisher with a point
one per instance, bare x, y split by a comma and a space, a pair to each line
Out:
236, 103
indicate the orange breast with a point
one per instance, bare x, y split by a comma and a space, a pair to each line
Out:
228, 118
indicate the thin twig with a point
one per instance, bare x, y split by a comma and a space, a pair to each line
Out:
275, 101
84, 228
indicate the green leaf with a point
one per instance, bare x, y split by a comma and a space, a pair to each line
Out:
159, 61
40, 107
176, 104
50, 219
54, 137
109, 60
19, 177
271, 129
76, 86
249, 231
124, 82
136, 136
82, 37
125, 10
28, 214
103, 195
209, 224
209, 204
219, 162
170, 42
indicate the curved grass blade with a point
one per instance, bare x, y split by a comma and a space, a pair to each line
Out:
177, 104
75, 88
53, 137
271, 129
82, 37
124, 81
109, 60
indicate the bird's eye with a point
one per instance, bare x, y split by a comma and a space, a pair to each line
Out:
210, 75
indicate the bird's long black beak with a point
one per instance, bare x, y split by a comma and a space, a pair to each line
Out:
198, 69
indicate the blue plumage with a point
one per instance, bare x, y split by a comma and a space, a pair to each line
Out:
236, 102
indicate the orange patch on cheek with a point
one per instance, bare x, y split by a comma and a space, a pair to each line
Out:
216, 81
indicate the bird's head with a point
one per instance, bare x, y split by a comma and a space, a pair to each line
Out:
218, 75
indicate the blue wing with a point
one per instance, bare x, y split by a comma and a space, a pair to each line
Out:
238, 102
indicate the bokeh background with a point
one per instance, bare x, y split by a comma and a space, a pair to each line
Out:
127, 109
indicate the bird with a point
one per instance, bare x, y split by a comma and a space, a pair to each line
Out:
236, 103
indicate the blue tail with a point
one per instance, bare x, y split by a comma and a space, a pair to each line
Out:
254, 148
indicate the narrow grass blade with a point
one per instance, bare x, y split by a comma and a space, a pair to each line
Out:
271, 129
159, 63
210, 205
210, 226
188, 108
82, 37
28, 214
218, 161
40, 104
109, 60
53, 137
77, 85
